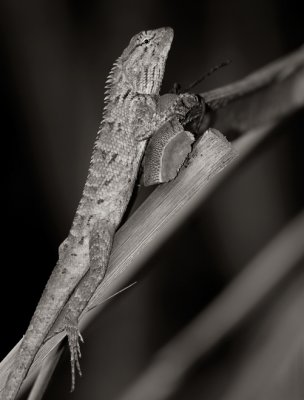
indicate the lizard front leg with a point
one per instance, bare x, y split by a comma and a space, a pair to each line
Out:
100, 244
150, 117
170, 145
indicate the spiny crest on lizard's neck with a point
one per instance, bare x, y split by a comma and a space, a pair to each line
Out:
141, 66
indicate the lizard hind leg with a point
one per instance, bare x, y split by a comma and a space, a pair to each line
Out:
100, 244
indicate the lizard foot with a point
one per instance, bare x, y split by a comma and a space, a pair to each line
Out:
74, 335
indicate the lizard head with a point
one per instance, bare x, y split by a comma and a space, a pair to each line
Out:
143, 61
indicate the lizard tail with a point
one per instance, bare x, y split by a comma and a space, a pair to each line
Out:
43, 319
23, 360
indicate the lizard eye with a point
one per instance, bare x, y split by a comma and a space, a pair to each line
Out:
146, 41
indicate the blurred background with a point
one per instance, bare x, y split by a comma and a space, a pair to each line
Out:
54, 59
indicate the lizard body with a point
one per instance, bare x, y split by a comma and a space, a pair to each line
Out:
130, 117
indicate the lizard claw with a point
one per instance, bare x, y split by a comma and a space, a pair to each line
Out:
74, 336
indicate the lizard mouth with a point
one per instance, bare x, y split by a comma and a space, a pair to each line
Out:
165, 37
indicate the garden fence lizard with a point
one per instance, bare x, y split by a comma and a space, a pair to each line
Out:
131, 115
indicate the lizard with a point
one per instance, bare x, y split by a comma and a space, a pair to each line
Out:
130, 117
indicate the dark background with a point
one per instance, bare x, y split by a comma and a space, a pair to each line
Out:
54, 60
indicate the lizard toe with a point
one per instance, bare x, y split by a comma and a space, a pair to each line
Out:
74, 338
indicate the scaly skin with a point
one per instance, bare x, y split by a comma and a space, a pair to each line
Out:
130, 117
